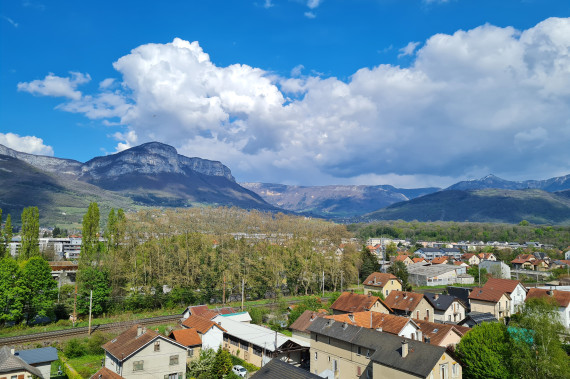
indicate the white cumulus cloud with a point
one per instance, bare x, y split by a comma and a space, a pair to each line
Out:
408, 49
25, 144
56, 86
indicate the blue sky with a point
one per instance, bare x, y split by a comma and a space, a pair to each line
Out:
404, 92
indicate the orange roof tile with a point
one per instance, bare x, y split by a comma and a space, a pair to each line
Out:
389, 323
304, 321
105, 373
187, 337
561, 297
352, 302
436, 332
403, 300
487, 294
201, 324
129, 341
378, 279
439, 260
506, 285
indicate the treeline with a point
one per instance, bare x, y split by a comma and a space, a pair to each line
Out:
203, 255
557, 236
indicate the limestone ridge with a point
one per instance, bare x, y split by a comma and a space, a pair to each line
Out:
149, 158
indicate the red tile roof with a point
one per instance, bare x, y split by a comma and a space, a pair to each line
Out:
105, 373
187, 337
304, 321
201, 324
130, 341
352, 302
378, 279
439, 260
389, 323
436, 332
403, 300
506, 285
487, 294
416, 260
401, 258
561, 297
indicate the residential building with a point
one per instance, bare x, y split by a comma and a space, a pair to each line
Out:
429, 253
487, 300
397, 325
40, 358
12, 366
410, 304
487, 256
340, 350
301, 324
381, 282
461, 293
403, 258
477, 318
497, 269
143, 353
189, 338
258, 345
440, 334
471, 258
434, 275
211, 333
440, 260
238, 316
349, 302
562, 298
452, 252
447, 308
514, 288
105, 373
523, 261
277, 369
205, 312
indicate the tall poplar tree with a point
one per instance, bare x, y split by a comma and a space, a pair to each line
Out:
30, 233
90, 241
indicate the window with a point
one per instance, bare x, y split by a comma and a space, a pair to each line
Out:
173, 360
243, 345
335, 365
418, 315
386, 292
316, 355
443, 371
138, 365
257, 350
190, 352
369, 373
359, 350
449, 318
367, 353
358, 371
329, 358
455, 369
427, 314
157, 346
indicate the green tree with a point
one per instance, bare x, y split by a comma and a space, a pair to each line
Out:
30, 233
369, 263
391, 250
222, 363
89, 236
202, 367
41, 288
485, 352
479, 275
400, 271
8, 232
536, 332
312, 303
96, 280
13, 293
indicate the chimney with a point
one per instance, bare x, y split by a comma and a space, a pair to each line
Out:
550, 292
428, 340
12, 351
404, 295
344, 325
374, 279
139, 331
436, 296
351, 317
379, 329
404, 349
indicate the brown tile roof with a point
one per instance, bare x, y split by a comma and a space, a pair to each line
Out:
506, 285
353, 302
187, 337
304, 321
401, 258
436, 332
416, 260
462, 329
403, 300
128, 342
198, 310
389, 323
467, 255
105, 373
439, 260
561, 297
201, 324
377, 279
487, 294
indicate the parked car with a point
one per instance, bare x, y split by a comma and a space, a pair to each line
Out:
239, 371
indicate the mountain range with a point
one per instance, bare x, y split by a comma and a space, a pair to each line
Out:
155, 175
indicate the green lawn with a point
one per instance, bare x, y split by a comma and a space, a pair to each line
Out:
87, 365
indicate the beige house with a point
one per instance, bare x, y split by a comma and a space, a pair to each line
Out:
471, 258
189, 338
382, 282
340, 350
299, 327
411, 304
349, 302
12, 366
493, 301
143, 353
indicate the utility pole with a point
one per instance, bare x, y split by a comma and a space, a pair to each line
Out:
323, 283
341, 281
224, 293
90, 307
75, 306
242, 292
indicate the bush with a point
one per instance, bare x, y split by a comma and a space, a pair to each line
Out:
74, 348
95, 342
63, 323
257, 314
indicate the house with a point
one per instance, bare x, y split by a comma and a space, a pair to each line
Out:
277, 369
471, 258
105, 373
140, 352
205, 312
349, 302
514, 288
487, 257
497, 269
452, 252
447, 308
540, 265
410, 304
301, 324
440, 334
429, 252
258, 345
477, 318
418, 260
39, 358
461, 293
404, 258
523, 262
238, 316
12, 366
397, 325
189, 338
381, 282
487, 300
562, 298
422, 275
340, 350
209, 331
440, 260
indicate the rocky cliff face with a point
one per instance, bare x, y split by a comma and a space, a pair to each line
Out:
44, 163
149, 159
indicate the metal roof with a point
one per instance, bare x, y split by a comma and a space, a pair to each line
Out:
41, 355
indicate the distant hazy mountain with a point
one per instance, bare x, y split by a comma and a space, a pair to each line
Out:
153, 174
333, 201
491, 181
486, 205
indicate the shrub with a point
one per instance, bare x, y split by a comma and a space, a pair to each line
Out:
74, 348
95, 342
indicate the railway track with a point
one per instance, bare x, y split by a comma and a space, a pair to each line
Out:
66, 333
